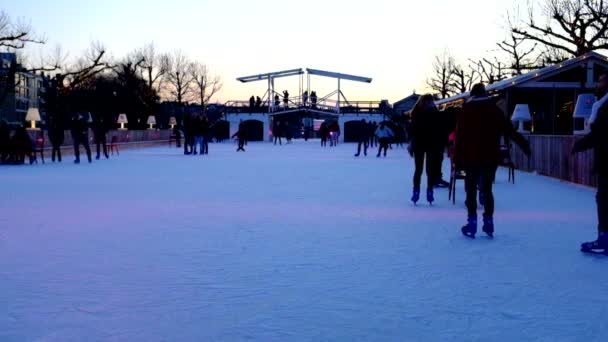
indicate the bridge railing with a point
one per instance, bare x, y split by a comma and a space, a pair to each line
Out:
326, 105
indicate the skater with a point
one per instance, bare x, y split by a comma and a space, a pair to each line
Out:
597, 140
480, 128
80, 136
426, 145
384, 135
277, 133
188, 134
5, 142
362, 137
100, 130
324, 133
241, 135
21, 146
204, 128
56, 136
197, 130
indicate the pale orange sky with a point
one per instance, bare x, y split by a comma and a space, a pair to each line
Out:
391, 41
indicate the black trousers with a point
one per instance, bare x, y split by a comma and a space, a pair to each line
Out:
101, 141
56, 152
383, 146
84, 141
482, 177
602, 204
278, 138
431, 158
241, 145
365, 145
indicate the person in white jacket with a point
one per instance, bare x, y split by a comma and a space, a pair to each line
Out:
384, 135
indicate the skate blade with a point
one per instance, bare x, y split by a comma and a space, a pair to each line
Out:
594, 252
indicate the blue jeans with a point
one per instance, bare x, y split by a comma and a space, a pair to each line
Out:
198, 141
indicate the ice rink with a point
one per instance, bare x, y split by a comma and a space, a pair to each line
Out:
287, 243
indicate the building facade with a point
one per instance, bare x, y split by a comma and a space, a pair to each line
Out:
19, 90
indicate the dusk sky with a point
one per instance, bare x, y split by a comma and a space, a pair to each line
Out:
391, 41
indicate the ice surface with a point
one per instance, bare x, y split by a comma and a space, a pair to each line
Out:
290, 243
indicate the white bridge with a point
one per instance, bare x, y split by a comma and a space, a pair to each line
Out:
333, 106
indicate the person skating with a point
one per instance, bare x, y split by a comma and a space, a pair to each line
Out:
57, 137
277, 132
100, 130
5, 141
80, 136
425, 145
198, 132
597, 140
324, 133
205, 128
188, 134
362, 132
481, 125
384, 135
241, 135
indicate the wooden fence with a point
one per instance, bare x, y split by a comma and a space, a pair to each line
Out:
551, 156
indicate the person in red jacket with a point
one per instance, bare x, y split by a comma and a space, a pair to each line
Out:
481, 125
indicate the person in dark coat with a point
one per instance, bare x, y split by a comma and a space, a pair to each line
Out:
597, 140
288, 132
197, 131
80, 136
204, 128
21, 146
480, 128
426, 144
361, 133
57, 137
277, 132
5, 142
258, 103
286, 99
251, 104
241, 135
188, 133
324, 133
100, 129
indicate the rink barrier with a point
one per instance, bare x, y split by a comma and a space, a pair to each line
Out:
552, 157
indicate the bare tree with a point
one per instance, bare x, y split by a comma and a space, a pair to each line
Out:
443, 75
178, 79
463, 78
154, 66
574, 27
92, 63
522, 58
490, 71
16, 34
204, 85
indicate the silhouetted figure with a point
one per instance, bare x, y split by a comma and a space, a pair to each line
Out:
277, 101
57, 137
80, 136
324, 133
286, 99
305, 98
5, 142
100, 129
251, 104
277, 132
258, 103
288, 132
241, 135
362, 132
188, 134
334, 133
384, 134
427, 141
21, 145
205, 128
597, 139
313, 99
481, 126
